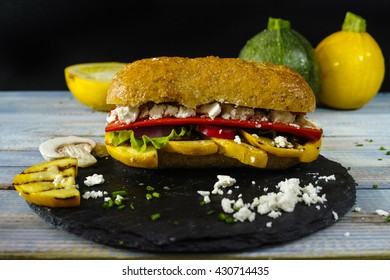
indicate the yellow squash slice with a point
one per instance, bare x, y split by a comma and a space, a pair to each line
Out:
51, 183
243, 152
305, 153
193, 148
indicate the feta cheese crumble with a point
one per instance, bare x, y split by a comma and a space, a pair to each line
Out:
382, 213
95, 179
224, 181
206, 196
237, 139
93, 194
271, 204
58, 179
281, 142
327, 178
244, 213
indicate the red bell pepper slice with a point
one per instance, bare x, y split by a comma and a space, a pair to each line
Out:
312, 134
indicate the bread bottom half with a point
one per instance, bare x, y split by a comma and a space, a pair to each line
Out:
169, 160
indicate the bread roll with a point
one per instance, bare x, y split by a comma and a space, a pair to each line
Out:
192, 82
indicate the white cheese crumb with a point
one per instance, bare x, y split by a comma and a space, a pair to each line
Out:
327, 178
171, 111
290, 193
224, 181
157, 111
281, 142
206, 196
226, 204
58, 179
95, 179
335, 215
237, 139
347, 234
210, 110
118, 198
185, 112
281, 116
268, 225
204, 193
125, 114
238, 204
274, 214
244, 214
92, 194
310, 195
382, 213
357, 209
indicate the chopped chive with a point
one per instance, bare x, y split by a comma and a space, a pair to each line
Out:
210, 212
175, 222
225, 218
388, 153
380, 159
132, 207
121, 193
222, 216
388, 219
349, 168
382, 148
229, 220
155, 216
108, 204
148, 196
202, 203
149, 188
359, 145
375, 186
156, 195
369, 140
121, 206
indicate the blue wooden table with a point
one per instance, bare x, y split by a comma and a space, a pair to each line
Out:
358, 139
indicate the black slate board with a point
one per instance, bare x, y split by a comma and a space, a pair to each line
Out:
185, 225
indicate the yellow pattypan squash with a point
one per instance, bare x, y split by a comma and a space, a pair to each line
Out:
352, 66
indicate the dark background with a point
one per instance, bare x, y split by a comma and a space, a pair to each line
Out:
39, 38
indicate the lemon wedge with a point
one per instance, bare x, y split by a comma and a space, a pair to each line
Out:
89, 82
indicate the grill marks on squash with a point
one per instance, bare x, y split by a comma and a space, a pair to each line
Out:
50, 183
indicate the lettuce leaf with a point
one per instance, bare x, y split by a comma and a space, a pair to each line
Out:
140, 144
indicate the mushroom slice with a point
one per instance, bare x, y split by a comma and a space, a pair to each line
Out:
70, 146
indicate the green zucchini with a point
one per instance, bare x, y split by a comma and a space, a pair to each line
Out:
280, 44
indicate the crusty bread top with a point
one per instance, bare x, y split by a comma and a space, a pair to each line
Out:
197, 81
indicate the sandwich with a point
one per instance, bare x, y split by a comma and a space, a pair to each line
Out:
210, 112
